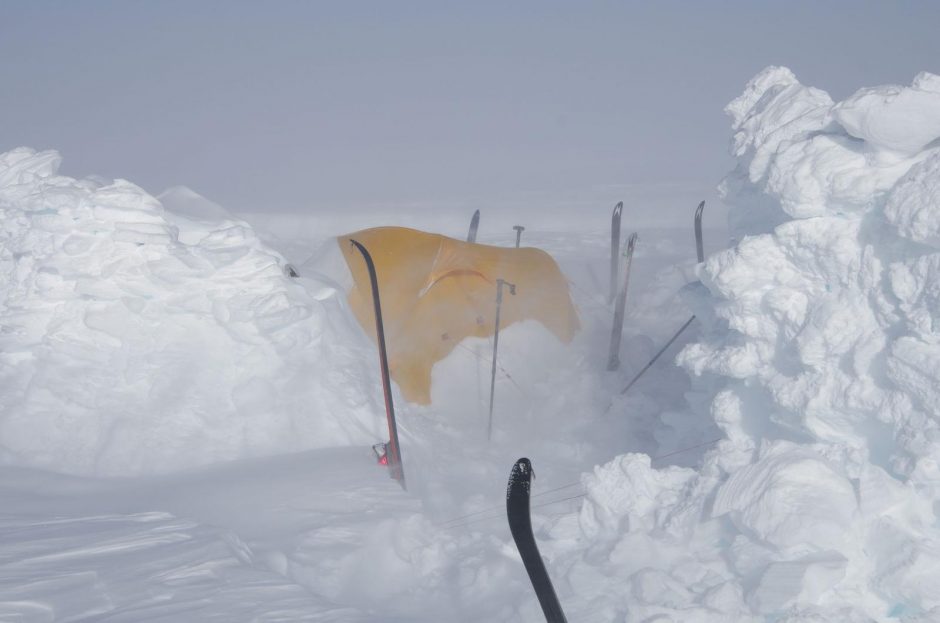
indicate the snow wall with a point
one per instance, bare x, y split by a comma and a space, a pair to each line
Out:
133, 340
821, 350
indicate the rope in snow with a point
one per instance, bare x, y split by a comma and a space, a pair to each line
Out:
590, 302
501, 369
502, 512
458, 522
500, 508
704, 443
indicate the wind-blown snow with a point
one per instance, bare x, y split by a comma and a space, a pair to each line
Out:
136, 341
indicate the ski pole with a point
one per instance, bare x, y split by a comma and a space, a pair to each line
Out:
657, 355
613, 359
519, 229
615, 250
474, 224
499, 303
395, 468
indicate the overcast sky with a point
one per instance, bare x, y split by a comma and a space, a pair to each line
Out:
313, 106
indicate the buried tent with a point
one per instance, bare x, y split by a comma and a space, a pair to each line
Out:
436, 291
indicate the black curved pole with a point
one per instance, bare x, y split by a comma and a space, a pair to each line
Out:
520, 525
395, 468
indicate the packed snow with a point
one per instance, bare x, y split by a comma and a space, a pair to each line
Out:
185, 429
138, 341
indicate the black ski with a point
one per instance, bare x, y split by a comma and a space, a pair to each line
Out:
615, 250
474, 224
699, 245
520, 525
616, 334
393, 454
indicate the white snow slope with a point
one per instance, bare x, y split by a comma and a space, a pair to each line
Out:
128, 348
822, 349
798, 465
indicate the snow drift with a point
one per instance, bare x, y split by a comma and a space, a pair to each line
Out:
136, 341
821, 350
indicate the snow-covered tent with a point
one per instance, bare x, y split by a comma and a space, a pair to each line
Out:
436, 291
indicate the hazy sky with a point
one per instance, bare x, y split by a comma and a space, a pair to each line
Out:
327, 105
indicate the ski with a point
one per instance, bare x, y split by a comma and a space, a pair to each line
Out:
616, 334
615, 250
520, 525
392, 454
474, 225
700, 255
699, 245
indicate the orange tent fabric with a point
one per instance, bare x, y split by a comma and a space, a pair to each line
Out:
436, 291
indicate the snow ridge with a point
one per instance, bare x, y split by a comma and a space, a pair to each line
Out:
133, 341
820, 351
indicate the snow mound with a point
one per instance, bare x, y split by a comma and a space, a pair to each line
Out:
186, 202
134, 341
821, 353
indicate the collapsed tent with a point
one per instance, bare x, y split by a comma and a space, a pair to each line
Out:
436, 291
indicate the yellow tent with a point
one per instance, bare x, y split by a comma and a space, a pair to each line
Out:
436, 291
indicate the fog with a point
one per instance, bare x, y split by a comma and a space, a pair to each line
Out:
316, 107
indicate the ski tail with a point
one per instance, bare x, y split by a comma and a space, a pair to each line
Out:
699, 244
616, 334
393, 456
615, 250
474, 225
520, 525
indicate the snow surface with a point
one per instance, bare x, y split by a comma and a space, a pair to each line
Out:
787, 470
